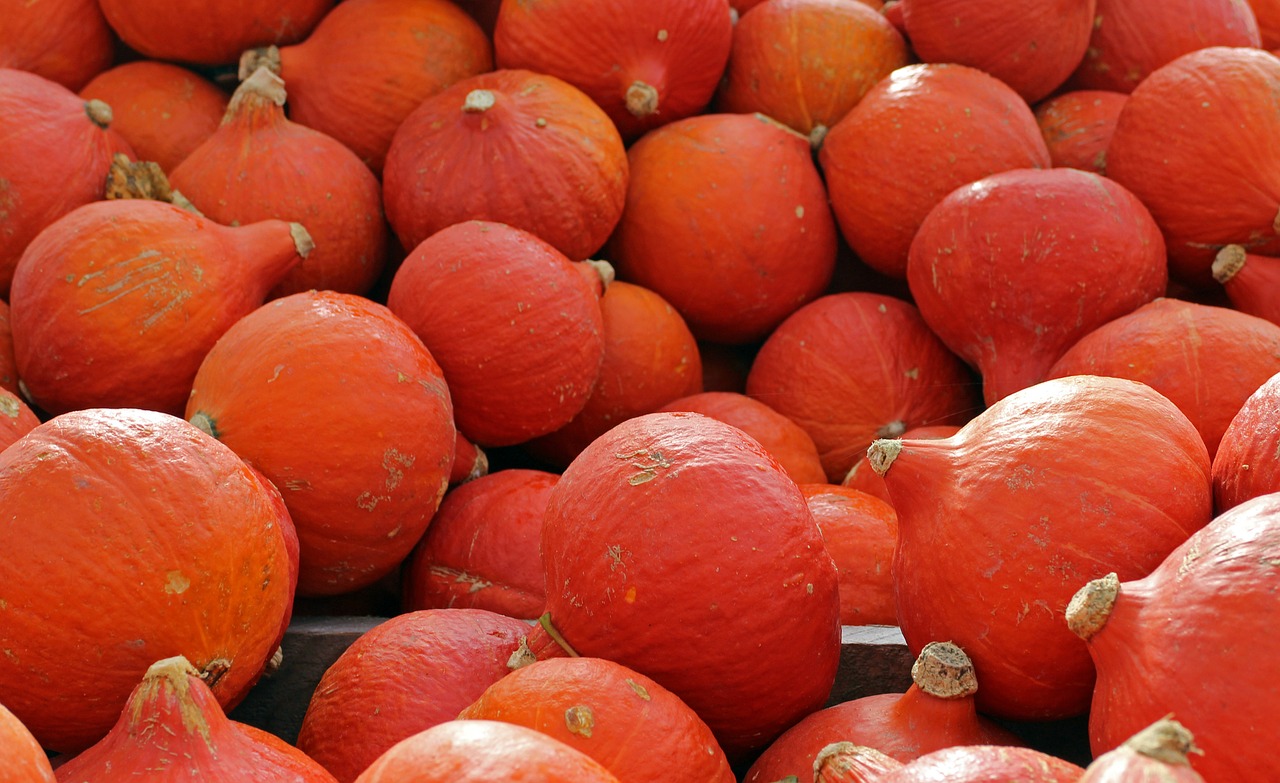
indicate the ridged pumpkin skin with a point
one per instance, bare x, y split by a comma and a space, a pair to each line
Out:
510, 146
638, 729
1077, 127
1208, 179
860, 532
845, 762
1199, 668
55, 150
1207, 360
1157, 754
174, 730
481, 751
25, 760
481, 550
853, 367
1013, 269
863, 477
1250, 281
935, 125
985, 764
1246, 464
404, 676
806, 63
117, 303
515, 325
650, 62
675, 528
260, 165
66, 41
1053, 485
727, 219
282, 380
16, 418
175, 545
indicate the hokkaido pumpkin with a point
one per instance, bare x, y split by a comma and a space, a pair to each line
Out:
1267, 14
65, 41
8, 363
860, 532
1250, 281
1160, 753
985, 764
1077, 126
863, 477
25, 760
1246, 464
845, 762
16, 418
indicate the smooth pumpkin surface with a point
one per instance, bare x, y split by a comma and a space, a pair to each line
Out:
66, 41
1246, 465
16, 418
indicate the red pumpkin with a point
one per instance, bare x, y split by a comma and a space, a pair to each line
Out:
937, 126
1077, 127
650, 62
860, 532
25, 760
16, 419
1157, 754
1200, 668
469, 461
1251, 282
985, 764
65, 41
726, 218
1034, 495
1267, 15
8, 363
404, 676
214, 588
1013, 269
1246, 464
845, 762
863, 477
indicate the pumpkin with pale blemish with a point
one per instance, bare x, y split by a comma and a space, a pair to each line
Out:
177, 548
282, 380
25, 760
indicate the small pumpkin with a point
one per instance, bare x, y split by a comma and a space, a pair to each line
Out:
25, 760
1250, 281
1160, 753
1077, 127
1246, 464
860, 532
65, 41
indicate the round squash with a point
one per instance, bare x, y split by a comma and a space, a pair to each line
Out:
65, 41
1246, 464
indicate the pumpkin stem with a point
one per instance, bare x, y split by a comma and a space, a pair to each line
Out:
642, 99
262, 85
545, 622
274, 663
1228, 263
301, 239
882, 453
478, 101
205, 424
817, 136
128, 179
1165, 740
1091, 606
99, 112
522, 656
943, 670
605, 270
263, 57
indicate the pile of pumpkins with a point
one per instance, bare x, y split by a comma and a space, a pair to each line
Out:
636, 346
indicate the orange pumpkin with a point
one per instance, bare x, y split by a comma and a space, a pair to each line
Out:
8, 362
1251, 282
1246, 464
845, 762
863, 477
985, 764
860, 532
1160, 753
1077, 127
66, 41
16, 418
25, 760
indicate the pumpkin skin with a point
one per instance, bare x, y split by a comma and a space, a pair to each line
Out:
1157, 754
25, 760
1250, 281
650, 62
469, 461
16, 418
852, 367
985, 764
735, 251
1197, 667
8, 363
1245, 464
1205, 359
481, 550
1013, 269
845, 762
215, 588
1173, 130
404, 676
259, 165
1026, 482
368, 65
55, 150
1077, 127
636, 728
65, 41
116, 303
863, 477
632, 512
860, 532
847, 47
1267, 14
936, 125
515, 325
558, 156
281, 380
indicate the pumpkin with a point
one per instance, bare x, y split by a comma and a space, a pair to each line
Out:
1013, 269
25, 760
638, 729
8, 363
856, 366
1207, 360
863, 477
1053, 485
550, 160
674, 528
1250, 281
860, 532
369, 63
1200, 668
1077, 127
1267, 14
469, 461
845, 762
481, 550
650, 62
16, 418
936, 712
174, 729
985, 764
1207, 179
935, 125
65, 41
260, 165
479, 751
117, 302
806, 63
1245, 464
403, 676
282, 380
1157, 754
515, 325
176, 547
55, 150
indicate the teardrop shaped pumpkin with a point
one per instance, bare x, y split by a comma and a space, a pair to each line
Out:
1246, 464
1160, 753
65, 41
25, 760
1250, 281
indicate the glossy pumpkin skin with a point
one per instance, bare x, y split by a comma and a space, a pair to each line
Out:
636, 728
1245, 464
1205, 359
559, 159
404, 676
985, 764
282, 380
1207, 179
117, 303
938, 126
65, 41
863, 477
636, 541
860, 532
806, 63
481, 550
1199, 668
476, 751
25, 760
515, 325
853, 367
1077, 127
1052, 486
650, 62
1013, 269
1251, 282
214, 588
16, 418
1157, 754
